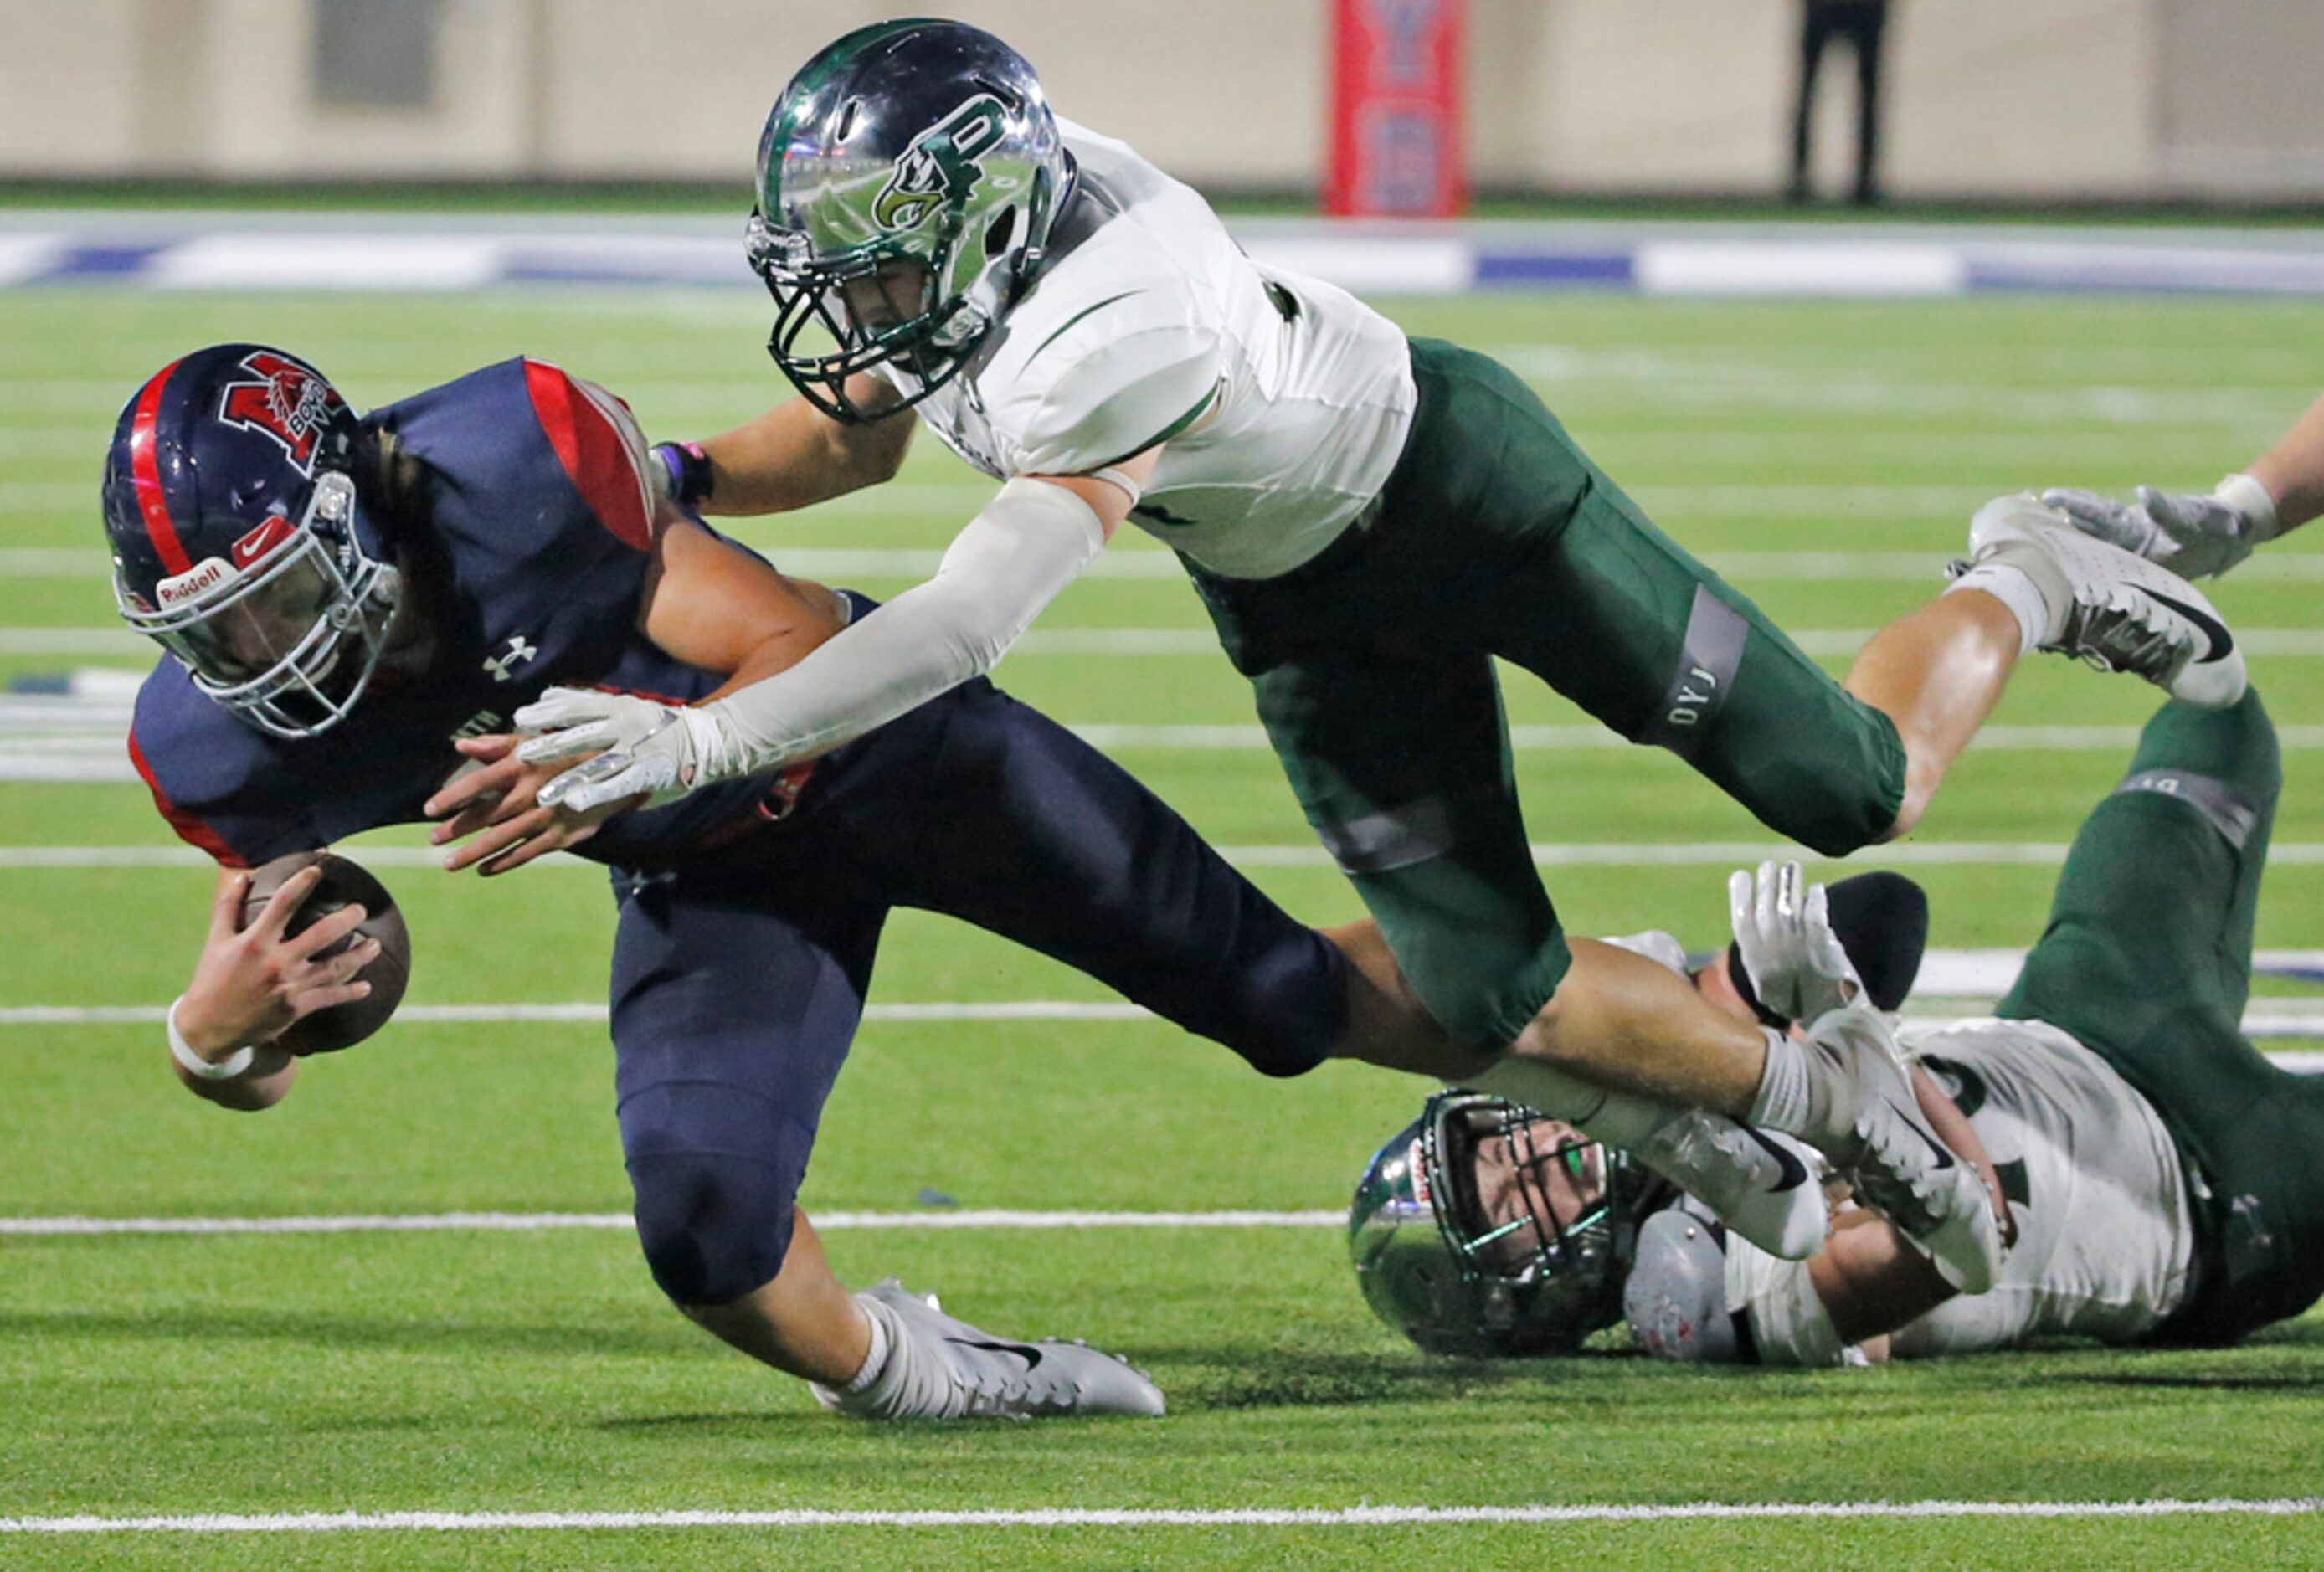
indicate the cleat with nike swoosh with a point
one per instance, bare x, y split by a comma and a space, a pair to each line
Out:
1891, 1157
2113, 608
941, 1367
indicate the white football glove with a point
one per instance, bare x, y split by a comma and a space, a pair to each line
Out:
1784, 933
641, 747
2194, 536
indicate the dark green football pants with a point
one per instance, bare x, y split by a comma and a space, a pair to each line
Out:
1374, 676
2147, 960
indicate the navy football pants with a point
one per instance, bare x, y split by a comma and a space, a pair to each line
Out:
739, 976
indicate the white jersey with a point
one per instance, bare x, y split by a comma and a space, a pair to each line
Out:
1284, 401
2106, 1241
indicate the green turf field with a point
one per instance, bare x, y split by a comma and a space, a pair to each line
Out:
1826, 455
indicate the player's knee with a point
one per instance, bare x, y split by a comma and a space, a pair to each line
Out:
713, 1227
1283, 1007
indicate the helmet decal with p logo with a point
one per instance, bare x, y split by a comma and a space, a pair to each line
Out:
941, 167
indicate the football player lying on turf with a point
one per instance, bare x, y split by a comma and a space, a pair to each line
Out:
1371, 520
353, 607
2165, 1181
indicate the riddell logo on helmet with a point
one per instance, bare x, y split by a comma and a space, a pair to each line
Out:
197, 581
287, 402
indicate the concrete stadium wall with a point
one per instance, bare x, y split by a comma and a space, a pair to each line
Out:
2127, 98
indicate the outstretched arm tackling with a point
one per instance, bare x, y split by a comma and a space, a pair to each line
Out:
707, 603
1030, 541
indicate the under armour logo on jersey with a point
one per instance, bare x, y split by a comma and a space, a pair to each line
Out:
503, 665
287, 402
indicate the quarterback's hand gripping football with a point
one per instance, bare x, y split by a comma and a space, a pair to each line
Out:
251, 984
642, 748
1783, 931
2195, 536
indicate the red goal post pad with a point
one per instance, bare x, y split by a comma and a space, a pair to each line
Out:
1398, 144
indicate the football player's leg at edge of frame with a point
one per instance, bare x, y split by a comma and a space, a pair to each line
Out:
2146, 959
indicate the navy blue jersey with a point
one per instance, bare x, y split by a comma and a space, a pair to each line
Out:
532, 547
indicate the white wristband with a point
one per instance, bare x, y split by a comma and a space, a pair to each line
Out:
195, 1065
2248, 496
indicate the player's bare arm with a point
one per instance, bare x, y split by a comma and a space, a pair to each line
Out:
2292, 471
251, 984
795, 455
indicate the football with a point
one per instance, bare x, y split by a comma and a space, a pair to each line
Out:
345, 883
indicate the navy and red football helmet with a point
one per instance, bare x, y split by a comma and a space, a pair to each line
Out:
238, 540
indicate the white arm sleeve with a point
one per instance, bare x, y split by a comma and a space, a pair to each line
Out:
1030, 541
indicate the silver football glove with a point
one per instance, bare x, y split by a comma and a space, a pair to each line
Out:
2195, 536
1784, 933
642, 747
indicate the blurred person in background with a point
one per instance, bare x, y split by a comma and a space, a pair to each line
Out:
1860, 24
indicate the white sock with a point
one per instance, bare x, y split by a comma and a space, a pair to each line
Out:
2015, 588
1784, 1098
875, 1361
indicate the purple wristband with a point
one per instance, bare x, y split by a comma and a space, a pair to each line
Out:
688, 468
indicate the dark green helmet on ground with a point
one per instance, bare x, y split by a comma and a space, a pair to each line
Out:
1486, 1229
922, 151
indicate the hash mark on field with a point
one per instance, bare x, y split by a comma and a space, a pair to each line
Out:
1136, 1517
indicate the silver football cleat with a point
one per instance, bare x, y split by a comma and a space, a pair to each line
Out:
2110, 607
941, 1367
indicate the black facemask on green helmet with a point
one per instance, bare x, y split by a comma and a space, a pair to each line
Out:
915, 165
1486, 1229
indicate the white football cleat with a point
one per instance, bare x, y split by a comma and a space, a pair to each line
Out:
1760, 1184
1896, 1163
939, 1368
2110, 607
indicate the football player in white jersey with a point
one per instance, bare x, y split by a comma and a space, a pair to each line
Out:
1371, 520
2166, 1182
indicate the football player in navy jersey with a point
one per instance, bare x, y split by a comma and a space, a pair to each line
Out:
356, 608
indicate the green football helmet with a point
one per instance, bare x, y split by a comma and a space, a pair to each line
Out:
1486, 1229
908, 178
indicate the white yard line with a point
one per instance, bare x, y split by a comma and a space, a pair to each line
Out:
79, 741
2265, 1018
1569, 854
1365, 1516
1135, 561
1128, 642
558, 1222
